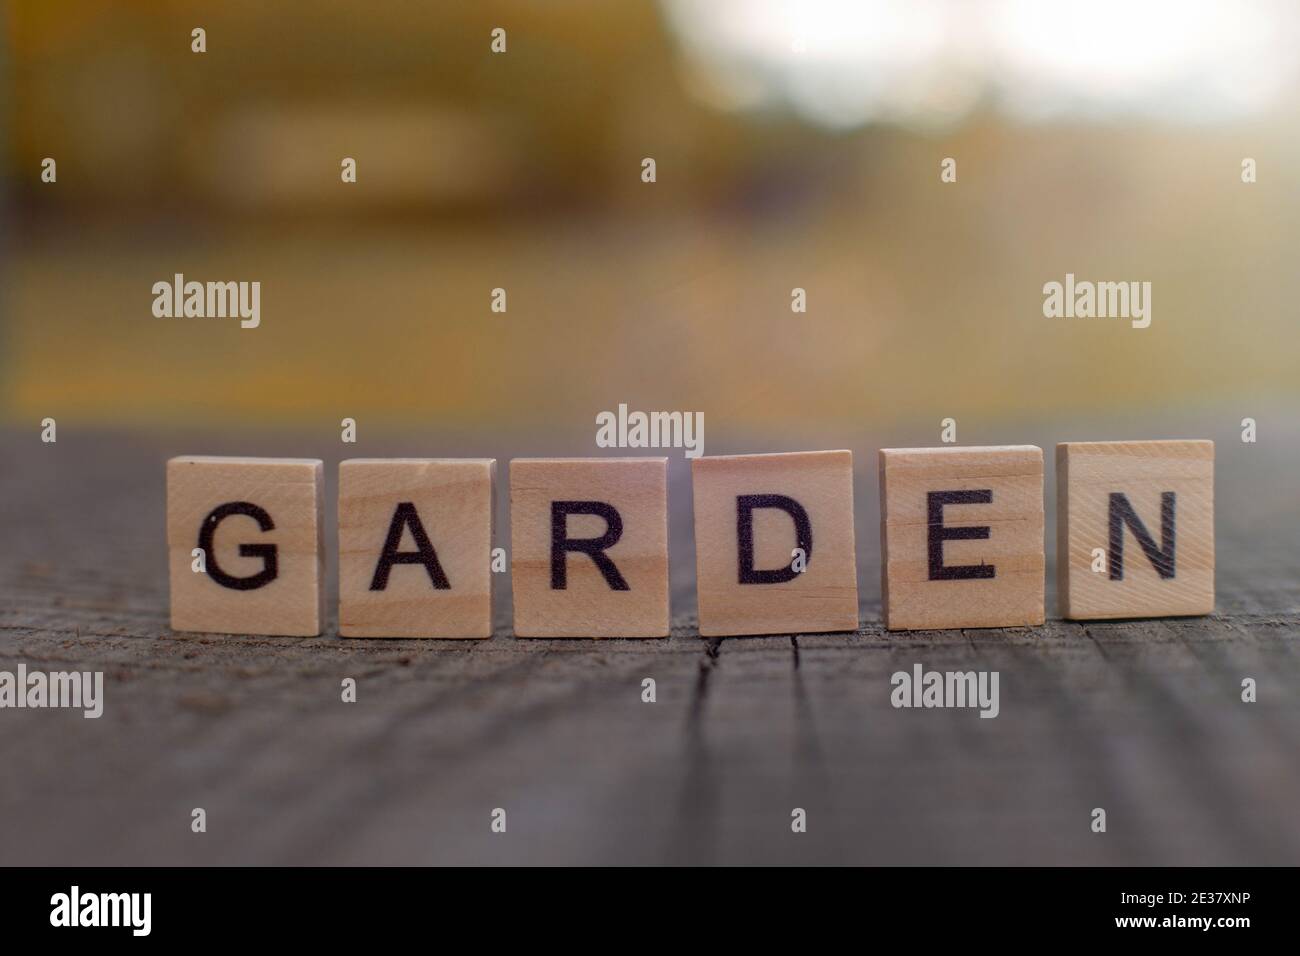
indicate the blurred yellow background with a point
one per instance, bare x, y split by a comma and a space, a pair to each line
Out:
797, 144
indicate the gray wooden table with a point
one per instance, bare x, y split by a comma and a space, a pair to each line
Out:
1143, 719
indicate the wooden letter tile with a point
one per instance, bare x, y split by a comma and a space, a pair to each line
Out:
961, 537
1135, 528
589, 546
415, 545
258, 522
752, 512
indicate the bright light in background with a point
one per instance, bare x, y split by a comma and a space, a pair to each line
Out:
1179, 59
837, 62
843, 63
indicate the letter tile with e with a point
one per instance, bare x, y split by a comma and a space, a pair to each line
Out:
961, 537
774, 544
415, 547
257, 524
589, 546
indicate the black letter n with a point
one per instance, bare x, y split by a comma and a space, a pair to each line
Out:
1122, 513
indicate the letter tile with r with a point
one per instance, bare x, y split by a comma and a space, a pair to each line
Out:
589, 546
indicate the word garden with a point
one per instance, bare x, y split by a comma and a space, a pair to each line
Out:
961, 530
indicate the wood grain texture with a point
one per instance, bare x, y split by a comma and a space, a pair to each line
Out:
1151, 476
450, 502
824, 596
930, 579
591, 603
288, 492
1141, 717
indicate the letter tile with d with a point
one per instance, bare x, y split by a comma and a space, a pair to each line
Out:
774, 545
257, 522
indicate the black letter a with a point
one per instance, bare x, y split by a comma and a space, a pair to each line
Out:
406, 516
